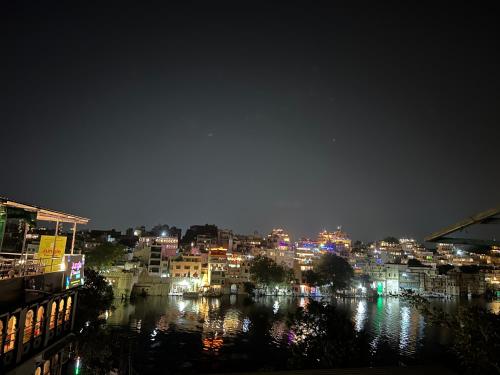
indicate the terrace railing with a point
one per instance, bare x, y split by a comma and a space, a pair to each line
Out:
19, 265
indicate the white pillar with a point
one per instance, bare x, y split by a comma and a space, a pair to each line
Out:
73, 240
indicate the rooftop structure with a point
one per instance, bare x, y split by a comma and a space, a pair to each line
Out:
38, 292
491, 216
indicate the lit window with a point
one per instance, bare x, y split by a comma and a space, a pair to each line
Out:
10, 337
46, 368
52, 321
68, 310
28, 326
60, 314
39, 321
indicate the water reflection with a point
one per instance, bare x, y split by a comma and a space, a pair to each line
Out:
361, 315
229, 326
404, 337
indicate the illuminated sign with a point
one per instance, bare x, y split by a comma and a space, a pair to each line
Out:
73, 275
51, 251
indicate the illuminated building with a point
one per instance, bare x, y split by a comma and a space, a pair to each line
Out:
337, 242
246, 244
38, 292
283, 257
278, 239
216, 270
155, 263
306, 253
238, 271
185, 274
169, 246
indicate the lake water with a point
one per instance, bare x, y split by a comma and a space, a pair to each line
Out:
230, 334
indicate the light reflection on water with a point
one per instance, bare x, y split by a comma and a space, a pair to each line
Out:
222, 322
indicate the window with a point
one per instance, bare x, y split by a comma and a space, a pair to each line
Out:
68, 310
10, 336
195, 267
60, 314
39, 321
28, 326
52, 321
177, 267
46, 367
186, 267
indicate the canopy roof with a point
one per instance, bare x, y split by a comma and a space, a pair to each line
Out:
491, 216
45, 214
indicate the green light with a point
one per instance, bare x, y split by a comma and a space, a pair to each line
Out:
77, 366
380, 288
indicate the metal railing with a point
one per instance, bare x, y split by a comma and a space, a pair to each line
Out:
18, 265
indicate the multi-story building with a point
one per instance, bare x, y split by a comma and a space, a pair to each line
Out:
278, 239
225, 239
185, 274
238, 272
463, 283
246, 244
337, 241
216, 270
38, 292
283, 256
155, 262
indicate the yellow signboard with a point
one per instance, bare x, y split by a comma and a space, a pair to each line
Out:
51, 252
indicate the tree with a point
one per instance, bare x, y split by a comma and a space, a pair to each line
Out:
334, 271
470, 268
391, 239
96, 343
104, 255
94, 297
248, 287
415, 263
475, 332
265, 271
444, 268
312, 278
324, 337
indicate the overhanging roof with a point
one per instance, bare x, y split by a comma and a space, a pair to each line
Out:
486, 217
45, 214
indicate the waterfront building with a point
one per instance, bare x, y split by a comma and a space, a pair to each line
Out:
155, 262
238, 272
38, 292
464, 283
123, 278
216, 270
185, 274
413, 278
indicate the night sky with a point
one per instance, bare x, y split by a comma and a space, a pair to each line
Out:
382, 117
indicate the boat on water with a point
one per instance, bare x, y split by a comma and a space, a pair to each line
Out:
212, 294
190, 295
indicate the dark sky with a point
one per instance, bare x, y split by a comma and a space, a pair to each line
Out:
382, 117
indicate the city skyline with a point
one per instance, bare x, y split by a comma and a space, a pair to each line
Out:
381, 118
